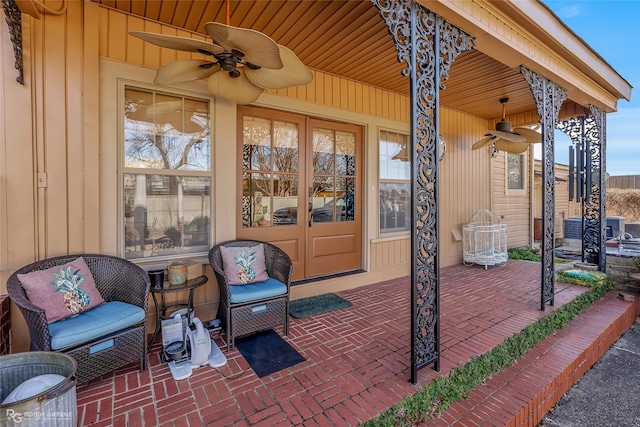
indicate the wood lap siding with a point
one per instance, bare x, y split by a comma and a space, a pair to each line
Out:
464, 179
512, 209
389, 253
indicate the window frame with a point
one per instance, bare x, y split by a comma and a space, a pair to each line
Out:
388, 232
523, 172
122, 171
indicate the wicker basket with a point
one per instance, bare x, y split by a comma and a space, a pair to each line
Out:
258, 317
110, 353
56, 406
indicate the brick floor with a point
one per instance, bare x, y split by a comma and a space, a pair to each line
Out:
357, 361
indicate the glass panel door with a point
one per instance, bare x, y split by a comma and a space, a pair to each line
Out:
335, 224
300, 189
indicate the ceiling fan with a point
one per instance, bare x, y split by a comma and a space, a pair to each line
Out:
505, 139
242, 64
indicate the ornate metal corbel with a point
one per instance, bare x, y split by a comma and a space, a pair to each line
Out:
13, 16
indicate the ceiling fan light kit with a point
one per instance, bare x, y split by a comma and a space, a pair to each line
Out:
241, 62
504, 138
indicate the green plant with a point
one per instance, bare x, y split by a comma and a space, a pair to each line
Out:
526, 254
438, 395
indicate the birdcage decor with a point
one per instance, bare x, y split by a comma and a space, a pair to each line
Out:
485, 240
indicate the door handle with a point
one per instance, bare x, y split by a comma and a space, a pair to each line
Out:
310, 214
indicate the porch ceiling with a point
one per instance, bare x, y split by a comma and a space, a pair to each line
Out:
349, 39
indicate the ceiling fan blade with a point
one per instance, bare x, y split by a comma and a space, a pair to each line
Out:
178, 43
531, 135
237, 89
257, 48
483, 142
293, 73
185, 71
511, 146
508, 136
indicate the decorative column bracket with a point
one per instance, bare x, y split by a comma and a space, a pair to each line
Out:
585, 133
549, 98
428, 45
13, 16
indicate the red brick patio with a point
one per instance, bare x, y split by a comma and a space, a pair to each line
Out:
357, 361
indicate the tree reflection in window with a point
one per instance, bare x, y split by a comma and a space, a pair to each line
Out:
270, 161
167, 183
334, 170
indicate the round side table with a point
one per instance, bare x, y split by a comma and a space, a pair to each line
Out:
161, 309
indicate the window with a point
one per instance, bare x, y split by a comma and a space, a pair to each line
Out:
166, 174
515, 172
395, 185
270, 168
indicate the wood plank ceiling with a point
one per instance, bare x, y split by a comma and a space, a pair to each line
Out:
346, 38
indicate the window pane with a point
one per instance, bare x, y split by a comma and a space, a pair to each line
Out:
349, 199
166, 215
256, 137
166, 131
285, 201
256, 200
394, 207
395, 188
323, 199
345, 153
285, 147
514, 171
394, 156
323, 151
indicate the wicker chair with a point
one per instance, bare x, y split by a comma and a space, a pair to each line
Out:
255, 315
117, 280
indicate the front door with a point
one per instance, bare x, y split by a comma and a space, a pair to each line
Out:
300, 189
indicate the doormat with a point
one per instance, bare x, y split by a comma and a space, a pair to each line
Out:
266, 352
312, 306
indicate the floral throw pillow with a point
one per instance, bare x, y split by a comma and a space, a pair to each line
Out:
62, 291
244, 264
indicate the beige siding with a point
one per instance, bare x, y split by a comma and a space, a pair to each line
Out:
390, 253
465, 179
512, 208
45, 137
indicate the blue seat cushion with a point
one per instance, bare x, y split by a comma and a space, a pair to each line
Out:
256, 291
97, 322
